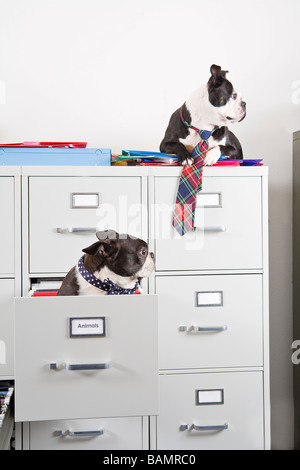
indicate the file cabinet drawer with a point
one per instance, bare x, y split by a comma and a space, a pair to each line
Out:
210, 321
6, 327
7, 238
65, 372
64, 213
211, 411
228, 226
92, 434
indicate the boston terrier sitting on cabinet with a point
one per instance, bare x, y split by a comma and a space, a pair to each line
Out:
211, 107
114, 265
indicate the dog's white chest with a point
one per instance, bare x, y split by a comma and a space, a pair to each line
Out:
85, 288
191, 140
213, 151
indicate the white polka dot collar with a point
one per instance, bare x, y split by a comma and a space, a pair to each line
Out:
107, 285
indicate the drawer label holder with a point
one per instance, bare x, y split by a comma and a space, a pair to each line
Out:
209, 299
85, 200
87, 327
210, 397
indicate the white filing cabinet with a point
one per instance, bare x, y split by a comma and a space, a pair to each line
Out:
10, 285
212, 290
212, 286
10, 264
85, 393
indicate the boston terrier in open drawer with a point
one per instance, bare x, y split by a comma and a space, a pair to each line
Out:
114, 265
211, 108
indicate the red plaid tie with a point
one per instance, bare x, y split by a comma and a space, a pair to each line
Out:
189, 185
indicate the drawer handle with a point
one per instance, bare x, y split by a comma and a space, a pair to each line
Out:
76, 230
209, 328
70, 433
221, 228
65, 365
217, 427
203, 328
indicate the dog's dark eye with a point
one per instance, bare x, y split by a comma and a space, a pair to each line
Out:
234, 96
144, 251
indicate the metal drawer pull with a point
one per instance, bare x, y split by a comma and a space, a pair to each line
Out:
70, 433
203, 328
76, 230
221, 228
218, 427
209, 328
65, 365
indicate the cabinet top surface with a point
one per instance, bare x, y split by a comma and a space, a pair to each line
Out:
134, 171
10, 170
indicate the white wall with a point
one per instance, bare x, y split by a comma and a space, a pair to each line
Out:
112, 72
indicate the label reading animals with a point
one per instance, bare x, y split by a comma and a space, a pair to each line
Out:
87, 327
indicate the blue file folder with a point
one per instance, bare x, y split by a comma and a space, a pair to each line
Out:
55, 156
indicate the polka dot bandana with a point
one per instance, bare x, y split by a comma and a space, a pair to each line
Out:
107, 285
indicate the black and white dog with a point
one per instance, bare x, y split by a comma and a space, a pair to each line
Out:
114, 265
211, 107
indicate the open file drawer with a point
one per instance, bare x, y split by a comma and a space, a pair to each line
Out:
62, 375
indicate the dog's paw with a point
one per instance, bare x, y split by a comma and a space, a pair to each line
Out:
187, 162
212, 156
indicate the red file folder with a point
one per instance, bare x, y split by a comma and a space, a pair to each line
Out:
73, 145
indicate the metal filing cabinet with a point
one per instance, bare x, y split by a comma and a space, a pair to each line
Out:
85, 393
212, 286
10, 264
212, 290
10, 285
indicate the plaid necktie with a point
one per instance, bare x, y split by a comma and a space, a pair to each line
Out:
189, 185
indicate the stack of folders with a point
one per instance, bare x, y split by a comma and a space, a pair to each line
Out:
225, 161
45, 288
144, 158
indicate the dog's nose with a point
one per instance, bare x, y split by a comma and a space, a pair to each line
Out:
243, 104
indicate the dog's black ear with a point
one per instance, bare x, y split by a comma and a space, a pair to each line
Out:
102, 248
92, 250
215, 70
108, 249
217, 75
